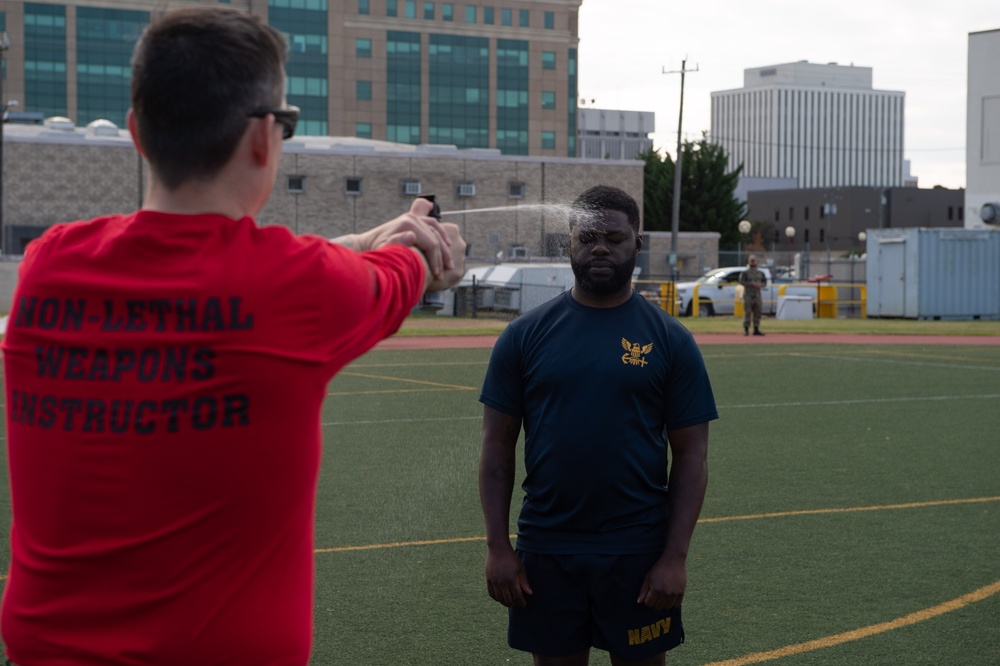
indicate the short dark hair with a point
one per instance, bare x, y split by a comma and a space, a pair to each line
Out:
604, 198
197, 72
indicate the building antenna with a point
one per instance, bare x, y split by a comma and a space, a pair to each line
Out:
675, 217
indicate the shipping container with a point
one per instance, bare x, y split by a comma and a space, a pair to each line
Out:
924, 273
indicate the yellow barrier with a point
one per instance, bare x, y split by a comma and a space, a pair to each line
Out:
668, 298
827, 302
663, 294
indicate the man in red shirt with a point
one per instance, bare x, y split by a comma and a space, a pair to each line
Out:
165, 372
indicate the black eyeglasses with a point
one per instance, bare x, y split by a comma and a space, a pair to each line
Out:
288, 118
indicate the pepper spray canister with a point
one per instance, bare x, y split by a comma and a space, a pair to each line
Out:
432, 300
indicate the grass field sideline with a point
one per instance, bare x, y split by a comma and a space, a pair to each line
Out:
420, 324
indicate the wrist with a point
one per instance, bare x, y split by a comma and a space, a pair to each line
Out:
350, 241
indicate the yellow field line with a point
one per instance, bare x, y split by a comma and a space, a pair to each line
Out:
854, 509
722, 519
410, 381
865, 632
420, 390
401, 544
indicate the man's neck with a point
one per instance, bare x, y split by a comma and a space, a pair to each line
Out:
584, 297
193, 198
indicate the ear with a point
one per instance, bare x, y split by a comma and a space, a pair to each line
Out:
260, 135
133, 129
638, 242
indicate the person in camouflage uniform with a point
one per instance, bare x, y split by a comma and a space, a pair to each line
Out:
752, 279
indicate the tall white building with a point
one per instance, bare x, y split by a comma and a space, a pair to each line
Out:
822, 124
982, 146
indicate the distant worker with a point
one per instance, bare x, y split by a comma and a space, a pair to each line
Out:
752, 280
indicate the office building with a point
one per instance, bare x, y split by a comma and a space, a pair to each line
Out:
823, 125
497, 74
614, 135
832, 219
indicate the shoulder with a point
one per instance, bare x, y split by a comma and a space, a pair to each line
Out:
71, 236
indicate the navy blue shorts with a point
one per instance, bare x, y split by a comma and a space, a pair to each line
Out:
583, 601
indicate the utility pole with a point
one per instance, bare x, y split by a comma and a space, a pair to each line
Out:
675, 217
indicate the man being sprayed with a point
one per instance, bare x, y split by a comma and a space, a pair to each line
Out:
166, 370
603, 384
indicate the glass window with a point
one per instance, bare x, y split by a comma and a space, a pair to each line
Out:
548, 140
363, 89
429, 11
363, 130
548, 59
410, 9
448, 11
548, 99
506, 16
306, 84
391, 8
363, 47
523, 18
470, 13
105, 39
458, 95
488, 15
364, 7
403, 90
550, 20
45, 58
512, 109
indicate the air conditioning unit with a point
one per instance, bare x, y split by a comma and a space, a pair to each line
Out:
411, 188
515, 190
466, 189
518, 252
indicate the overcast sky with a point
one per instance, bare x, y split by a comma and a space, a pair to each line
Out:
919, 47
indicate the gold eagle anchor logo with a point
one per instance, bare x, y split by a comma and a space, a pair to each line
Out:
634, 353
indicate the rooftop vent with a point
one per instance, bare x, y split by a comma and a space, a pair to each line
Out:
60, 123
103, 127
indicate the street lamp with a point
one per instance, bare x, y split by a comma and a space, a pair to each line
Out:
790, 234
744, 229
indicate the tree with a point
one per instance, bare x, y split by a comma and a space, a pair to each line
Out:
707, 191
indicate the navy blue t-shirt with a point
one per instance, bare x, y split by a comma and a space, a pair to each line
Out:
597, 389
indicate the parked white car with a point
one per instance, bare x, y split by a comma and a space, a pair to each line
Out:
717, 291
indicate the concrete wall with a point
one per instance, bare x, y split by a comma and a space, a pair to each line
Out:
52, 176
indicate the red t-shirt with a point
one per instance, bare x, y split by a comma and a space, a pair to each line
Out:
164, 378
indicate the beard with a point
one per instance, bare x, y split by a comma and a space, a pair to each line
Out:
604, 285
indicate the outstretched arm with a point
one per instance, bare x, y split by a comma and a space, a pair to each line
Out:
440, 245
505, 577
666, 582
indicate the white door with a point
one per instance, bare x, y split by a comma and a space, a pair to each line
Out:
892, 277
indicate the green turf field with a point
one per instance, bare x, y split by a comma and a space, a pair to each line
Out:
852, 517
